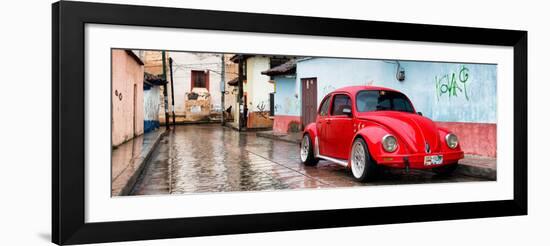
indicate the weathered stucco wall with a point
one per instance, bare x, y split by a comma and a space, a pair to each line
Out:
448, 92
184, 63
257, 89
287, 104
287, 99
152, 99
127, 107
258, 86
475, 138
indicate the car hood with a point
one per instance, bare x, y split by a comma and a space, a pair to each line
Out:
414, 130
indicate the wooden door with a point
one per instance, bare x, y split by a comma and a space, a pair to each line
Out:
309, 101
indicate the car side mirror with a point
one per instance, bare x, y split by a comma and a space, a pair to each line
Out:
347, 111
419, 113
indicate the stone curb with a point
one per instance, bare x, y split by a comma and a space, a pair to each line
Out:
127, 189
271, 136
479, 172
467, 170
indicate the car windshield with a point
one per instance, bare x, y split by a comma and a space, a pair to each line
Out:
378, 100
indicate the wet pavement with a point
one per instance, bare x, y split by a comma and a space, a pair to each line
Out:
128, 160
211, 158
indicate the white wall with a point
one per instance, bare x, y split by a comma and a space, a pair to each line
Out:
26, 174
184, 62
151, 103
258, 86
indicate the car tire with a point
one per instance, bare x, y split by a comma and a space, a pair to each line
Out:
306, 151
445, 170
363, 167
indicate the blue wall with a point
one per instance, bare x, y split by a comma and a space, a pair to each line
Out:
286, 101
151, 106
449, 92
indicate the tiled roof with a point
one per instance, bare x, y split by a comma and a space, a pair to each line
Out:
288, 67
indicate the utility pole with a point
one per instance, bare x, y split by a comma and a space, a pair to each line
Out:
166, 117
172, 87
241, 93
223, 89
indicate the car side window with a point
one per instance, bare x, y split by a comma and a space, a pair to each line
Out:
341, 102
324, 106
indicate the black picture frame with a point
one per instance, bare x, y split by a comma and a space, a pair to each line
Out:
68, 122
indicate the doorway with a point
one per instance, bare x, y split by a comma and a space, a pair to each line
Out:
309, 101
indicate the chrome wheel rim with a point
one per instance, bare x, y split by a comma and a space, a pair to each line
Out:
304, 150
358, 159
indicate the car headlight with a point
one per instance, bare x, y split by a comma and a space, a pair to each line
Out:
389, 143
452, 140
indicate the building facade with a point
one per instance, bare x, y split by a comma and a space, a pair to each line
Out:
154, 66
152, 101
256, 89
287, 114
126, 96
197, 86
231, 92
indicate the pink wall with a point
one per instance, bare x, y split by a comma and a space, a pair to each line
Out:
474, 138
127, 108
281, 122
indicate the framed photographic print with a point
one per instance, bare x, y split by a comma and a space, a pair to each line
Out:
177, 122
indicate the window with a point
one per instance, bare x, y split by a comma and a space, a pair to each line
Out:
199, 79
340, 103
383, 100
324, 106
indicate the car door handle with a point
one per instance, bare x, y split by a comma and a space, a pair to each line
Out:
328, 121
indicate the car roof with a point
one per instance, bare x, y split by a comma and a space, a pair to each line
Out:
355, 89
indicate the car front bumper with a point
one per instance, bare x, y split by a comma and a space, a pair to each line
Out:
416, 161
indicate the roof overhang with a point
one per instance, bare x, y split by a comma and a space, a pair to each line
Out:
286, 68
136, 58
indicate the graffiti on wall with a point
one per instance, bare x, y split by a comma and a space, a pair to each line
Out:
263, 109
453, 84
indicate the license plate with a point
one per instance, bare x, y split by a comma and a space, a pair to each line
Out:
433, 160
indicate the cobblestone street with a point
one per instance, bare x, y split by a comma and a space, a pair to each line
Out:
210, 158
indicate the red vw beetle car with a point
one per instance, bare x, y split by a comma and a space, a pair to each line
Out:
364, 127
